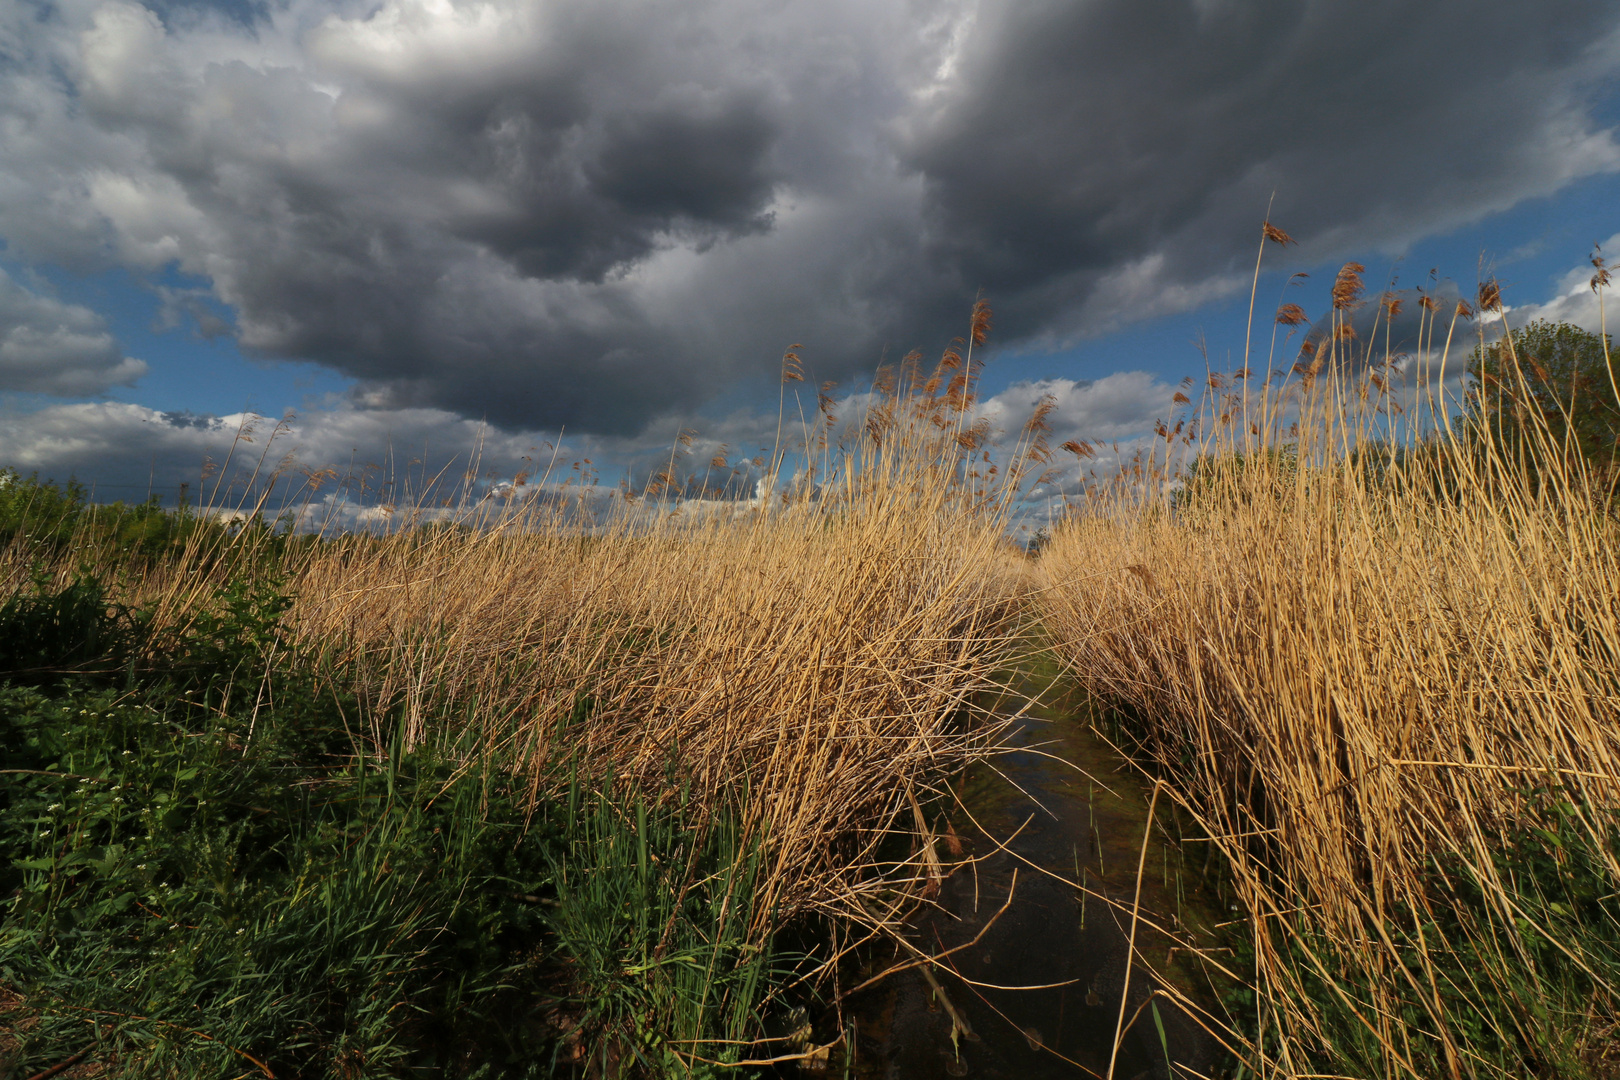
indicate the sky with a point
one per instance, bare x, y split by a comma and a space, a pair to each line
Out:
407, 230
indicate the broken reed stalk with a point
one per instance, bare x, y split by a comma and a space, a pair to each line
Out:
1130, 944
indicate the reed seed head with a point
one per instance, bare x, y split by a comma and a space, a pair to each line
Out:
1276, 235
792, 365
1347, 287
980, 323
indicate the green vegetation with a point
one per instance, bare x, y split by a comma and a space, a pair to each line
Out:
38, 511
513, 800
47, 519
1548, 391
1519, 953
209, 873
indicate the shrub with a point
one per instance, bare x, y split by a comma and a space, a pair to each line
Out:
1550, 383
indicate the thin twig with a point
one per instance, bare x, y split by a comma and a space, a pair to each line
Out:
778, 1060
64, 1066
1130, 949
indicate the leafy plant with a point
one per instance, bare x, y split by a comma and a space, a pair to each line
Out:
38, 512
47, 635
210, 873
1549, 383
655, 903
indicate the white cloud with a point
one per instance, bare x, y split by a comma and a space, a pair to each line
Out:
1118, 406
402, 453
1575, 301
51, 347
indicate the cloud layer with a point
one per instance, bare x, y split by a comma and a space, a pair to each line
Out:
425, 454
50, 347
595, 212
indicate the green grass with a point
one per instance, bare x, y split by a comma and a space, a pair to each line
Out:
206, 872
1524, 988
652, 912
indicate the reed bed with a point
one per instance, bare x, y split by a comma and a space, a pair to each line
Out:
818, 662
813, 658
608, 755
1379, 660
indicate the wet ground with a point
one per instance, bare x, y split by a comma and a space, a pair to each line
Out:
1031, 987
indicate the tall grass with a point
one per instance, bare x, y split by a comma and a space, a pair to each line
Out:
814, 655
720, 711
1381, 663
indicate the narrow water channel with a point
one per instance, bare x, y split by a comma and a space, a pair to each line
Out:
1031, 986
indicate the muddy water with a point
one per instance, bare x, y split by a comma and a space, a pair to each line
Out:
1037, 993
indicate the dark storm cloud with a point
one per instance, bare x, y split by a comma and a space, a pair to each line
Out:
697, 172
1084, 138
1391, 327
559, 212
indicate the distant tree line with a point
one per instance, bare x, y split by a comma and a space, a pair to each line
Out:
47, 519
1543, 399
1548, 391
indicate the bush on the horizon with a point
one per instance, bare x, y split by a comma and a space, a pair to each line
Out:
1548, 390
47, 519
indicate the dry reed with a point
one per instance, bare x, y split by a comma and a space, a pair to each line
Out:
1355, 662
815, 657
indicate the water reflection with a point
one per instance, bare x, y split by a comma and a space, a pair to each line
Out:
1029, 970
